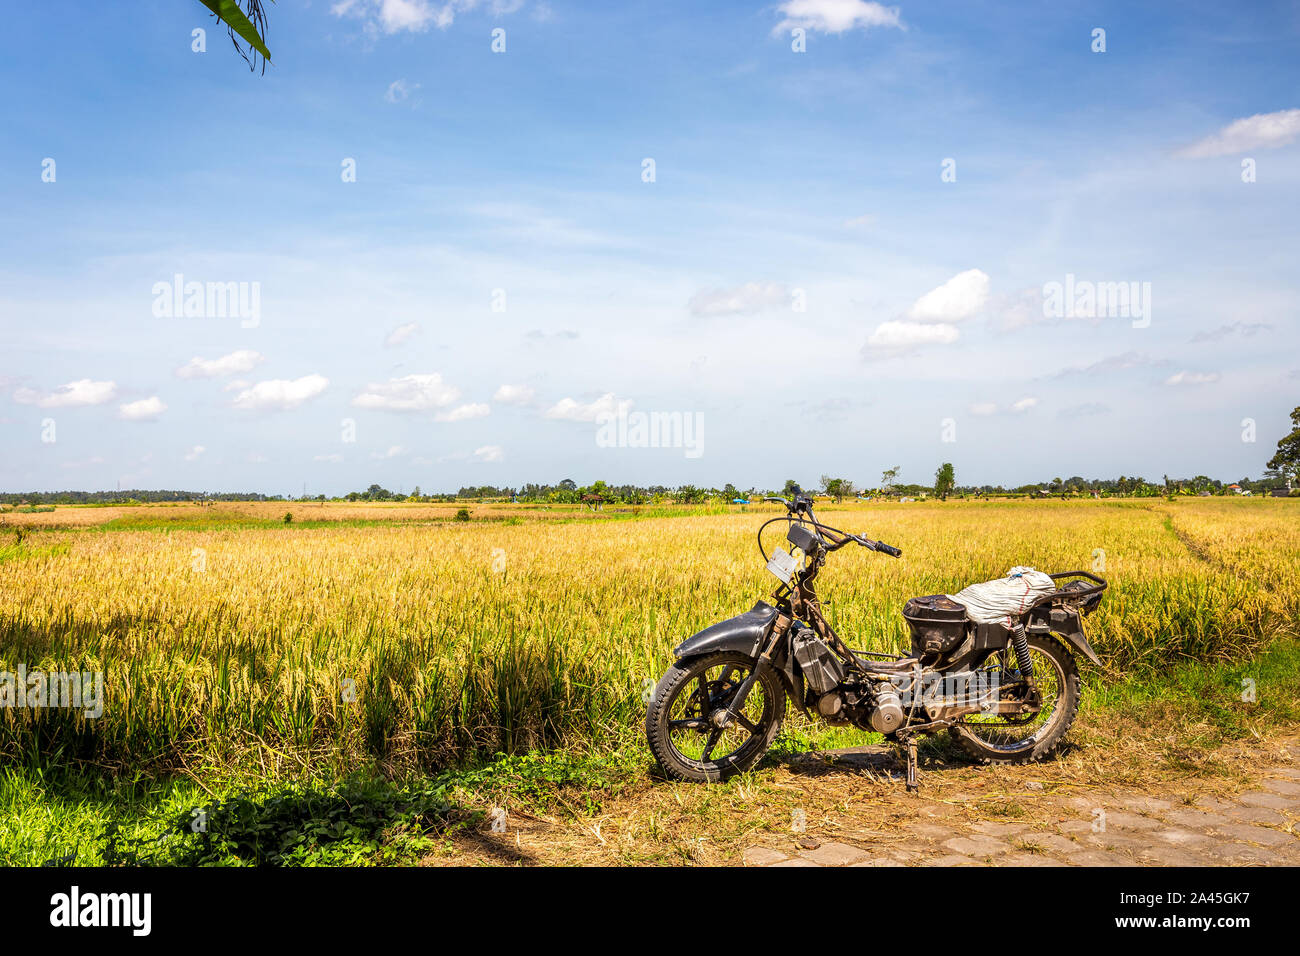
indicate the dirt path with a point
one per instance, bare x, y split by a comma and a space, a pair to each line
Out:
1119, 828
1094, 806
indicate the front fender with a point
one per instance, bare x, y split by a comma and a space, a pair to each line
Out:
741, 633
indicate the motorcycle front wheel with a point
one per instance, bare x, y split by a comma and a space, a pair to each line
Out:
682, 721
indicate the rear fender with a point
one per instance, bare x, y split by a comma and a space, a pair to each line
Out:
1065, 624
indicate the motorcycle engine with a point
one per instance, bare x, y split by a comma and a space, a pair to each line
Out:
887, 715
822, 673
839, 701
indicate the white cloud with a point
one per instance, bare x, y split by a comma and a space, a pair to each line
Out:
1246, 329
1261, 131
959, 298
905, 335
410, 393
486, 453
279, 394
145, 409
1113, 363
1017, 310
415, 16
513, 395
336, 457
194, 453
399, 90
537, 335
566, 409
394, 451
463, 413
401, 334
244, 360
1192, 378
392, 16
865, 220
992, 408
78, 393
836, 16
748, 298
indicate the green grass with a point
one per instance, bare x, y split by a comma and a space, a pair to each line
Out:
1213, 693
364, 819
26, 552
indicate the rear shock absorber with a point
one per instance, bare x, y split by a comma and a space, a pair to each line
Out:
1021, 644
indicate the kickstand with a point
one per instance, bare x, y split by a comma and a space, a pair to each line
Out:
912, 785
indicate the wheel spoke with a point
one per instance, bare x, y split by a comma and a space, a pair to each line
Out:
709, 745
746, 723
689, 723
702, 693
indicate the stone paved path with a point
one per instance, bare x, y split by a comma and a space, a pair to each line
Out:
1260, 826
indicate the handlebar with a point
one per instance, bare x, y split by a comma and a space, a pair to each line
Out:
802, 504
880, 546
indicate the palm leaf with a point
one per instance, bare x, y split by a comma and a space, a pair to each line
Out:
229, 13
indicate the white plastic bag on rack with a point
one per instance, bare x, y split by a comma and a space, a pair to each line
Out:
1003, 600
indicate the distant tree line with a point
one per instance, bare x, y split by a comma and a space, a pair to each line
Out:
945, 485
133, 496
600, 493
1278, 477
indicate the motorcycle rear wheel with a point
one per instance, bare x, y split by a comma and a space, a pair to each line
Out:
995, 739
680, 720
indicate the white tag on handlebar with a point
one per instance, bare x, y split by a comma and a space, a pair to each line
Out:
782, 565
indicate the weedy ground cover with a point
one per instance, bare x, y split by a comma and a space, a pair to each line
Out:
399, 644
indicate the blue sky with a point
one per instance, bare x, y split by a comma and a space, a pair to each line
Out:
801, 277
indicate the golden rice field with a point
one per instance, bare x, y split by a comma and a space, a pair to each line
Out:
393, 634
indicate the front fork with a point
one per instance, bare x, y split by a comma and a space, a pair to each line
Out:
764, 661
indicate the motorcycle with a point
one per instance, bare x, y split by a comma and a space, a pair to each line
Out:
1008, 690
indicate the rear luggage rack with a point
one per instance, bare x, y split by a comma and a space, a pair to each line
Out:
1084, 596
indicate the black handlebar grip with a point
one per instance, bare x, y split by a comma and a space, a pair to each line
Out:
889, 549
